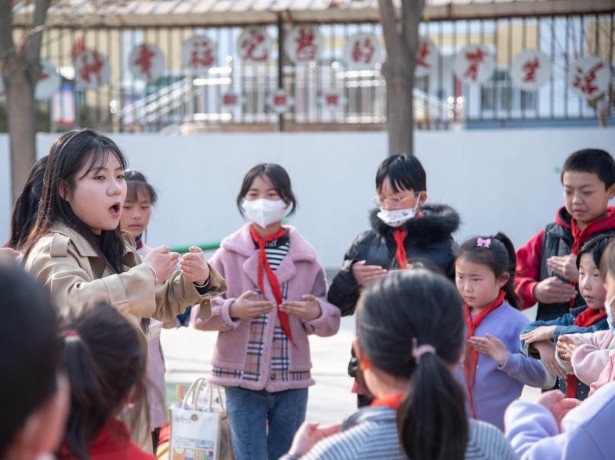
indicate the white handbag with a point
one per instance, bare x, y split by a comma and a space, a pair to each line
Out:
199, 428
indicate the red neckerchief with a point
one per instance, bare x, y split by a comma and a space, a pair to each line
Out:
263, 265
388, 401
399, 235
587, 317
471, 359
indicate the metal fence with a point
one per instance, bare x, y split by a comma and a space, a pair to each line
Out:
178, 101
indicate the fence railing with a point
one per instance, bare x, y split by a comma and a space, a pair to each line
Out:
179, 98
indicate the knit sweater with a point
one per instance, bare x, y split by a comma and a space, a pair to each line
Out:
371, 433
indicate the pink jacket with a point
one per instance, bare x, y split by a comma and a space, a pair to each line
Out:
590, 360
299, 273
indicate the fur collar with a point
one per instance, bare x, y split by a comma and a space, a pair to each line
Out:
439, 221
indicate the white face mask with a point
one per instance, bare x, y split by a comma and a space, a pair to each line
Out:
609, 314
264, 212
398, 217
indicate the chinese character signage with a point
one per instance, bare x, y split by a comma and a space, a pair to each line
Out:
474, 64
303, 44
48, 83
530, 69
589, 77
362, 51
280, 102
332, 99
198, 54
231, 100
146, 62
426, 58
92, 69
254, 45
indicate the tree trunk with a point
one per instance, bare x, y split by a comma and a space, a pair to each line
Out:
401, 40
20, 66
21, 122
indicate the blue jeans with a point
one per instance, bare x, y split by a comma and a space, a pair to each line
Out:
263, 424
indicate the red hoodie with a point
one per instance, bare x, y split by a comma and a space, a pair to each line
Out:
529, 256
113, 443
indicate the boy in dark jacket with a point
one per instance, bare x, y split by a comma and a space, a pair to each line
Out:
546, 264
402, 229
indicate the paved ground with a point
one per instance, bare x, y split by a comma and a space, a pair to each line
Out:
188, 352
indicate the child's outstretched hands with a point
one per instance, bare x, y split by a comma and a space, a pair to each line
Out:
547, 356
162, 262
307, 310
553, 290
564, 266
244, 308
308, 434
365, 274
193, 266
490, 346
541, 333
557, 403
566, 346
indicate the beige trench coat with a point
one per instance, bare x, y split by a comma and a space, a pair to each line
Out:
70, 268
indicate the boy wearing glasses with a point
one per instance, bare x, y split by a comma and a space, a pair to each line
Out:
402, 229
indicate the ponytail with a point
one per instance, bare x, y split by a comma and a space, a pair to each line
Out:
87, 416
431, 420
104, 357
410, 326
509, 289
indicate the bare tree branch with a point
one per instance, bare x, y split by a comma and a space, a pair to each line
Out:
33, 50
6, 30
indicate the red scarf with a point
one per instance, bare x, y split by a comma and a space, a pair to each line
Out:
587, 317
399, 234
263, 266
388, 401
471, 360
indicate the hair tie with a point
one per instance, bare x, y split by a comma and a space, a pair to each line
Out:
420, 350
70, 334
483, 242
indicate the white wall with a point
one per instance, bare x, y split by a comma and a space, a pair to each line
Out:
497, 180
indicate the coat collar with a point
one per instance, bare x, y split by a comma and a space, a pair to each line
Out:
85, 249
439, 221
241, 243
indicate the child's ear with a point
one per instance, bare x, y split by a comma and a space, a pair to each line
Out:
504, 277
422, 198
611, 191
44, 428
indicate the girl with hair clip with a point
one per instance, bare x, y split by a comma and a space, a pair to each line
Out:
77, 250
276, 298
407, 362
556, 427
135, 216
25, 209
494, 370
104, 358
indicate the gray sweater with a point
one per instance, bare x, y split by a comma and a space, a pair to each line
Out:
371, 433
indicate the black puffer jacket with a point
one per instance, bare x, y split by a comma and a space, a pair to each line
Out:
428, 238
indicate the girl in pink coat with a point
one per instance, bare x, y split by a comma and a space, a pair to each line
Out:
276, 298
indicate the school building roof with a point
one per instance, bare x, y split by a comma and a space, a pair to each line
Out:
213, 13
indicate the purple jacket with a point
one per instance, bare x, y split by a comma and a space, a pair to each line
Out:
496, 387
587, 431
299, 273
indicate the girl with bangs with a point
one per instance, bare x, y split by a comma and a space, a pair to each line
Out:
77, 250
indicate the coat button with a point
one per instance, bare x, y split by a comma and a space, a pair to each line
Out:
272, 376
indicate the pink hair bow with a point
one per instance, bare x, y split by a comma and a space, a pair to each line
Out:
483, 243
